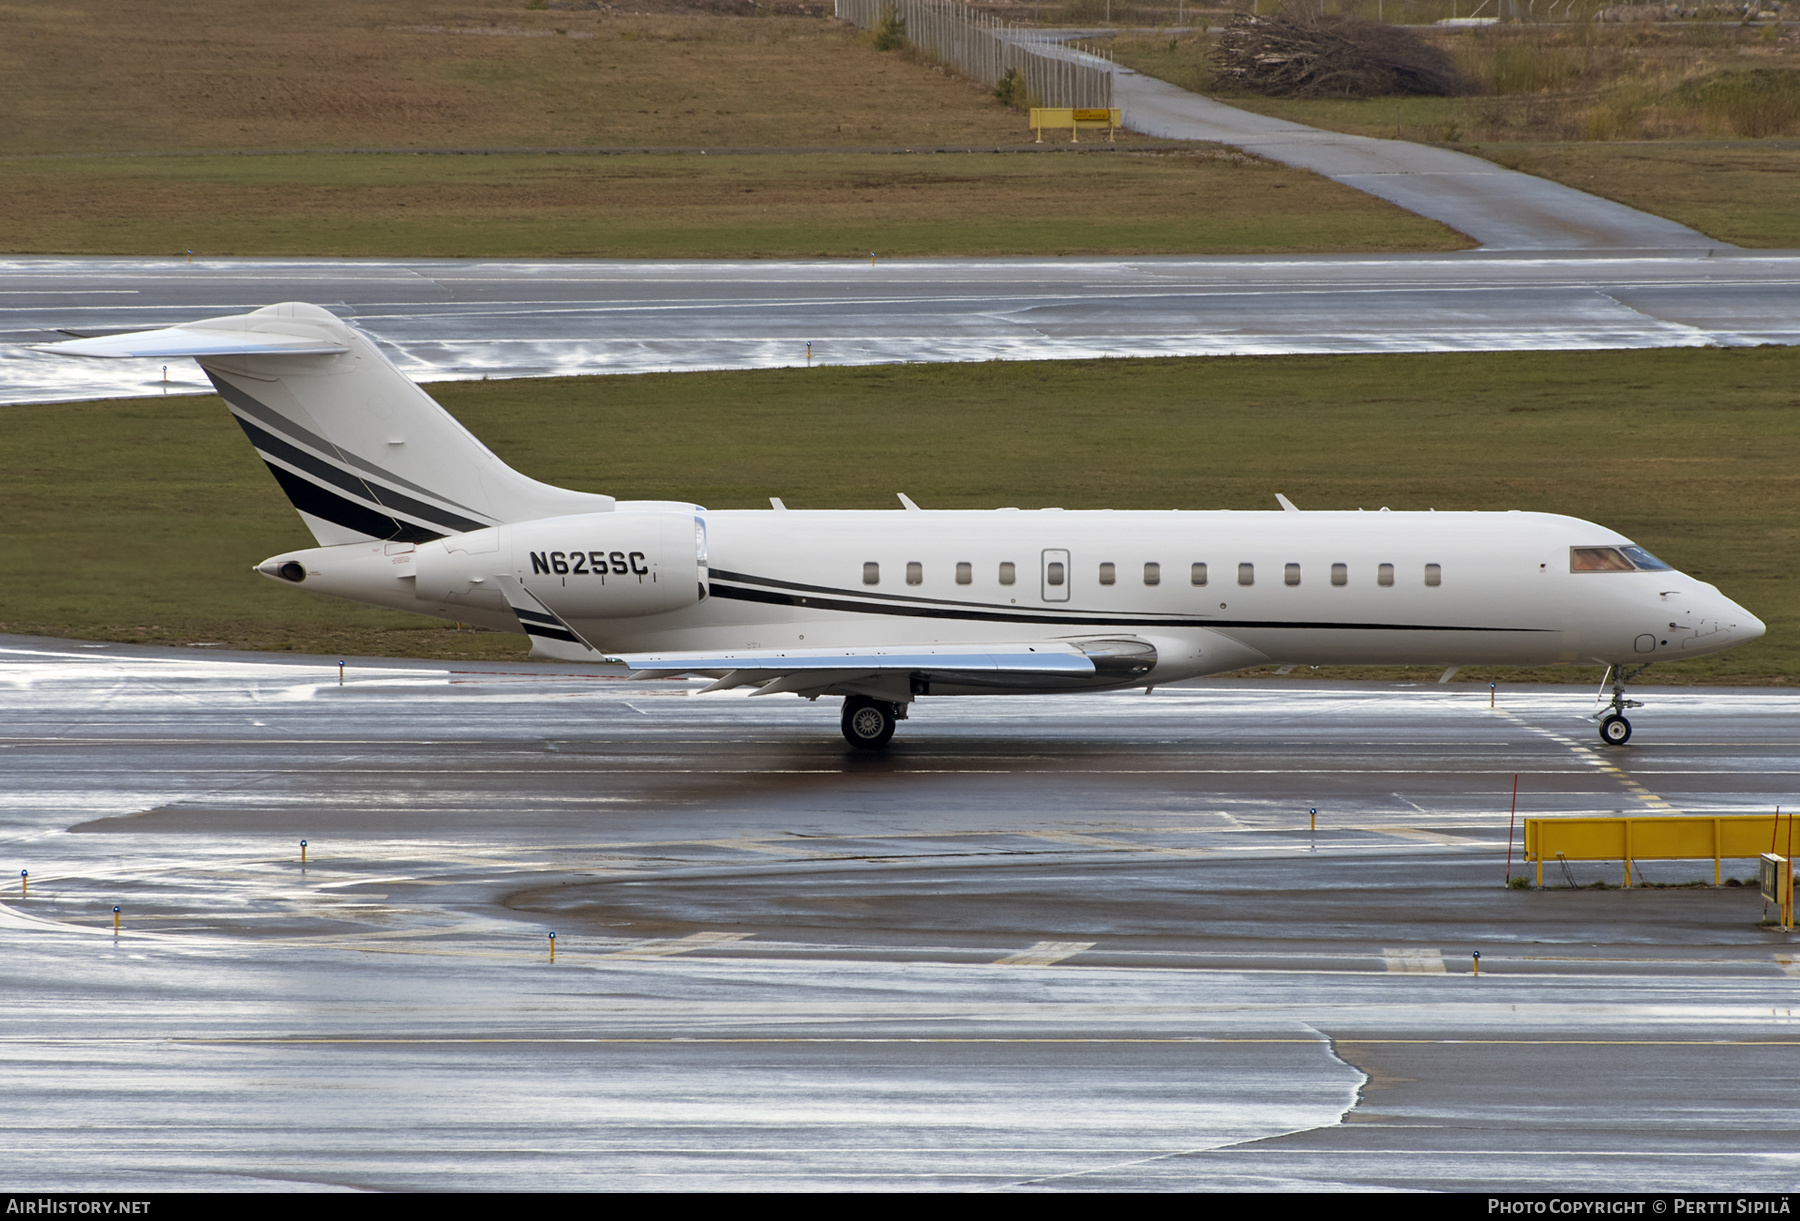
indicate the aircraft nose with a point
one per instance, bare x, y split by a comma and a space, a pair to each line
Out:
1737, 622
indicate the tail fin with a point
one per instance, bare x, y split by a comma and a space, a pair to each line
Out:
360, 449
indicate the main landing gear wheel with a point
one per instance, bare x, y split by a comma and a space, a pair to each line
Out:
1615, 730
868, 724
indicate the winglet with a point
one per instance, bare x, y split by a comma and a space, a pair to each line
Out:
1286, 504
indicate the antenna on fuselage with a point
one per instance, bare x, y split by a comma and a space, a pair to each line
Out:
1286, 503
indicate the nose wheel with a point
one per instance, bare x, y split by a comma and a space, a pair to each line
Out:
868, 724
1615, 730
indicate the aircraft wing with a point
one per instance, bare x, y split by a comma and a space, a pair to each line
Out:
816, 671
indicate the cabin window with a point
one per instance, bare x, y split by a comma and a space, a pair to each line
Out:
1291, 574
1197, 574
1153, 573
1053, 573
1340, 574
871, 573
1246, 574
1434, 574
965, 572
1384, 575
1107, 574
1008, 573
915, 573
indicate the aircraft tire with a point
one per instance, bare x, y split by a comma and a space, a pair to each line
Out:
1615, 730
868, 724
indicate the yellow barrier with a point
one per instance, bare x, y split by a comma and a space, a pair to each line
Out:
1653, 839
1073, 118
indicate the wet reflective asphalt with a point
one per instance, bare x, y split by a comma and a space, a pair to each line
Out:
445, 319
1053, 943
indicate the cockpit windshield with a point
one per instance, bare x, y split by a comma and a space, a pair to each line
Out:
1643, 559
1614, 559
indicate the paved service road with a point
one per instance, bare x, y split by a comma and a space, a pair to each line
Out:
1061, 943
449, 318
1500, 208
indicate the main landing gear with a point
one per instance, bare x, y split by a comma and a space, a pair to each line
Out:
869, 723
1615, 730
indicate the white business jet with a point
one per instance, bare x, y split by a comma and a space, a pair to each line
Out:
880, 608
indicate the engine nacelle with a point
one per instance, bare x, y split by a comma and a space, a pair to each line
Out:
587, 566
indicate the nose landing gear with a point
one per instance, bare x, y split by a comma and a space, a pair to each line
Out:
1615, 730
869, 723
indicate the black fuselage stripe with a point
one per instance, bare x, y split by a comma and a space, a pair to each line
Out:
1077, 619
720, 575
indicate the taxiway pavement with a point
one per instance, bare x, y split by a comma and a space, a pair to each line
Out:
1501, 209
448, 318
1057, 943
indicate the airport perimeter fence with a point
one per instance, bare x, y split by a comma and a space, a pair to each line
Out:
984, 48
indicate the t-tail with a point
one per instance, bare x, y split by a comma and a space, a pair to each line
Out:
362, 452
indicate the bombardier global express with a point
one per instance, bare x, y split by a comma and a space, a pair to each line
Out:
411, 511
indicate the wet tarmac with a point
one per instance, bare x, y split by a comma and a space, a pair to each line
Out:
1067, 943
445, 319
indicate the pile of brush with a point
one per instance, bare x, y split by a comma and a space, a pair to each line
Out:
1298, 53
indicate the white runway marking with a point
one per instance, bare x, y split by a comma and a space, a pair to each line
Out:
1436, 837
1414, 962
1044, 953
679, 945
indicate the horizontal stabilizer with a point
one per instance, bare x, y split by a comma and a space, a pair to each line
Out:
359, 449
198, 339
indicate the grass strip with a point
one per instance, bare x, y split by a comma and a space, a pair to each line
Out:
1743, 192
140, 519
134, 75
1171, 201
